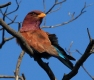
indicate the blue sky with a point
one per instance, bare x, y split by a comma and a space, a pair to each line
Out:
75, 31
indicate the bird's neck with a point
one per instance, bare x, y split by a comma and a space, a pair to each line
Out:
26, 26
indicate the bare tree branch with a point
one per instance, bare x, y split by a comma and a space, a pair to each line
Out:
80, 62
44, 5
6, 76
46, 68
5, 14
79, 52
23, 77
56, 9
5, 40
70, 48
87, 73
4, 5
19, 25
3, 34
12, 21
84, 67
18, 3
17, 35
72, 18
50, 10
89, 34
56, 3
18, 65
1, 28
92, 50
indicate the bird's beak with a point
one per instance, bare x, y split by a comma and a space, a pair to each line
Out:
41, 15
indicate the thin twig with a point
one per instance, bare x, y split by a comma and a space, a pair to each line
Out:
44, 6
4, 14
50, 10
18, 36
92, 50
4, 5
56, 3
79, 52
1, 28
23, 76
16, 8
3, 34
89, 34
7, 76
18, 65
19, 25
87, 72
83, 66
70, 47
56, 9
12, 21
72, 19
5, 40
79, 62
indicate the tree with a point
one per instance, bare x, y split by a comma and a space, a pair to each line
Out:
55, 7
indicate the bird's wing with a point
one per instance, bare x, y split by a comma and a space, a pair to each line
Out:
54, 41
38, 39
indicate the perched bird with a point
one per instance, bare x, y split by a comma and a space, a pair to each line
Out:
44, 45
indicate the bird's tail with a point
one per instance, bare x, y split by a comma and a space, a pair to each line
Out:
65, 59
66, 62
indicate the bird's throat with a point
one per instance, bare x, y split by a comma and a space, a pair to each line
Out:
30, 26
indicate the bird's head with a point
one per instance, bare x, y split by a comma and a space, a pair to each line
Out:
33, 20
35, 15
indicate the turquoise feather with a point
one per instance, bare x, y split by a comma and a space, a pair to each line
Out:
59, 52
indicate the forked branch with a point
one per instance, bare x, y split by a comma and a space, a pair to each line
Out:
72, 18
80, 62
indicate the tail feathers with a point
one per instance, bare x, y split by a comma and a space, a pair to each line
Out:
66, 62
62, 52
59, 52
71, 58
65, 58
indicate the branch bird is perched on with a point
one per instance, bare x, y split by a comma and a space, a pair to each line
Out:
44, 45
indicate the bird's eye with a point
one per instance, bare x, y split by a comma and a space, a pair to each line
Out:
33, 13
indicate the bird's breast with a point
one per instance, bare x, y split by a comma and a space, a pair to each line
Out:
39, 40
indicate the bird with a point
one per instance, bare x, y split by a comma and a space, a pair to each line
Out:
43, 44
